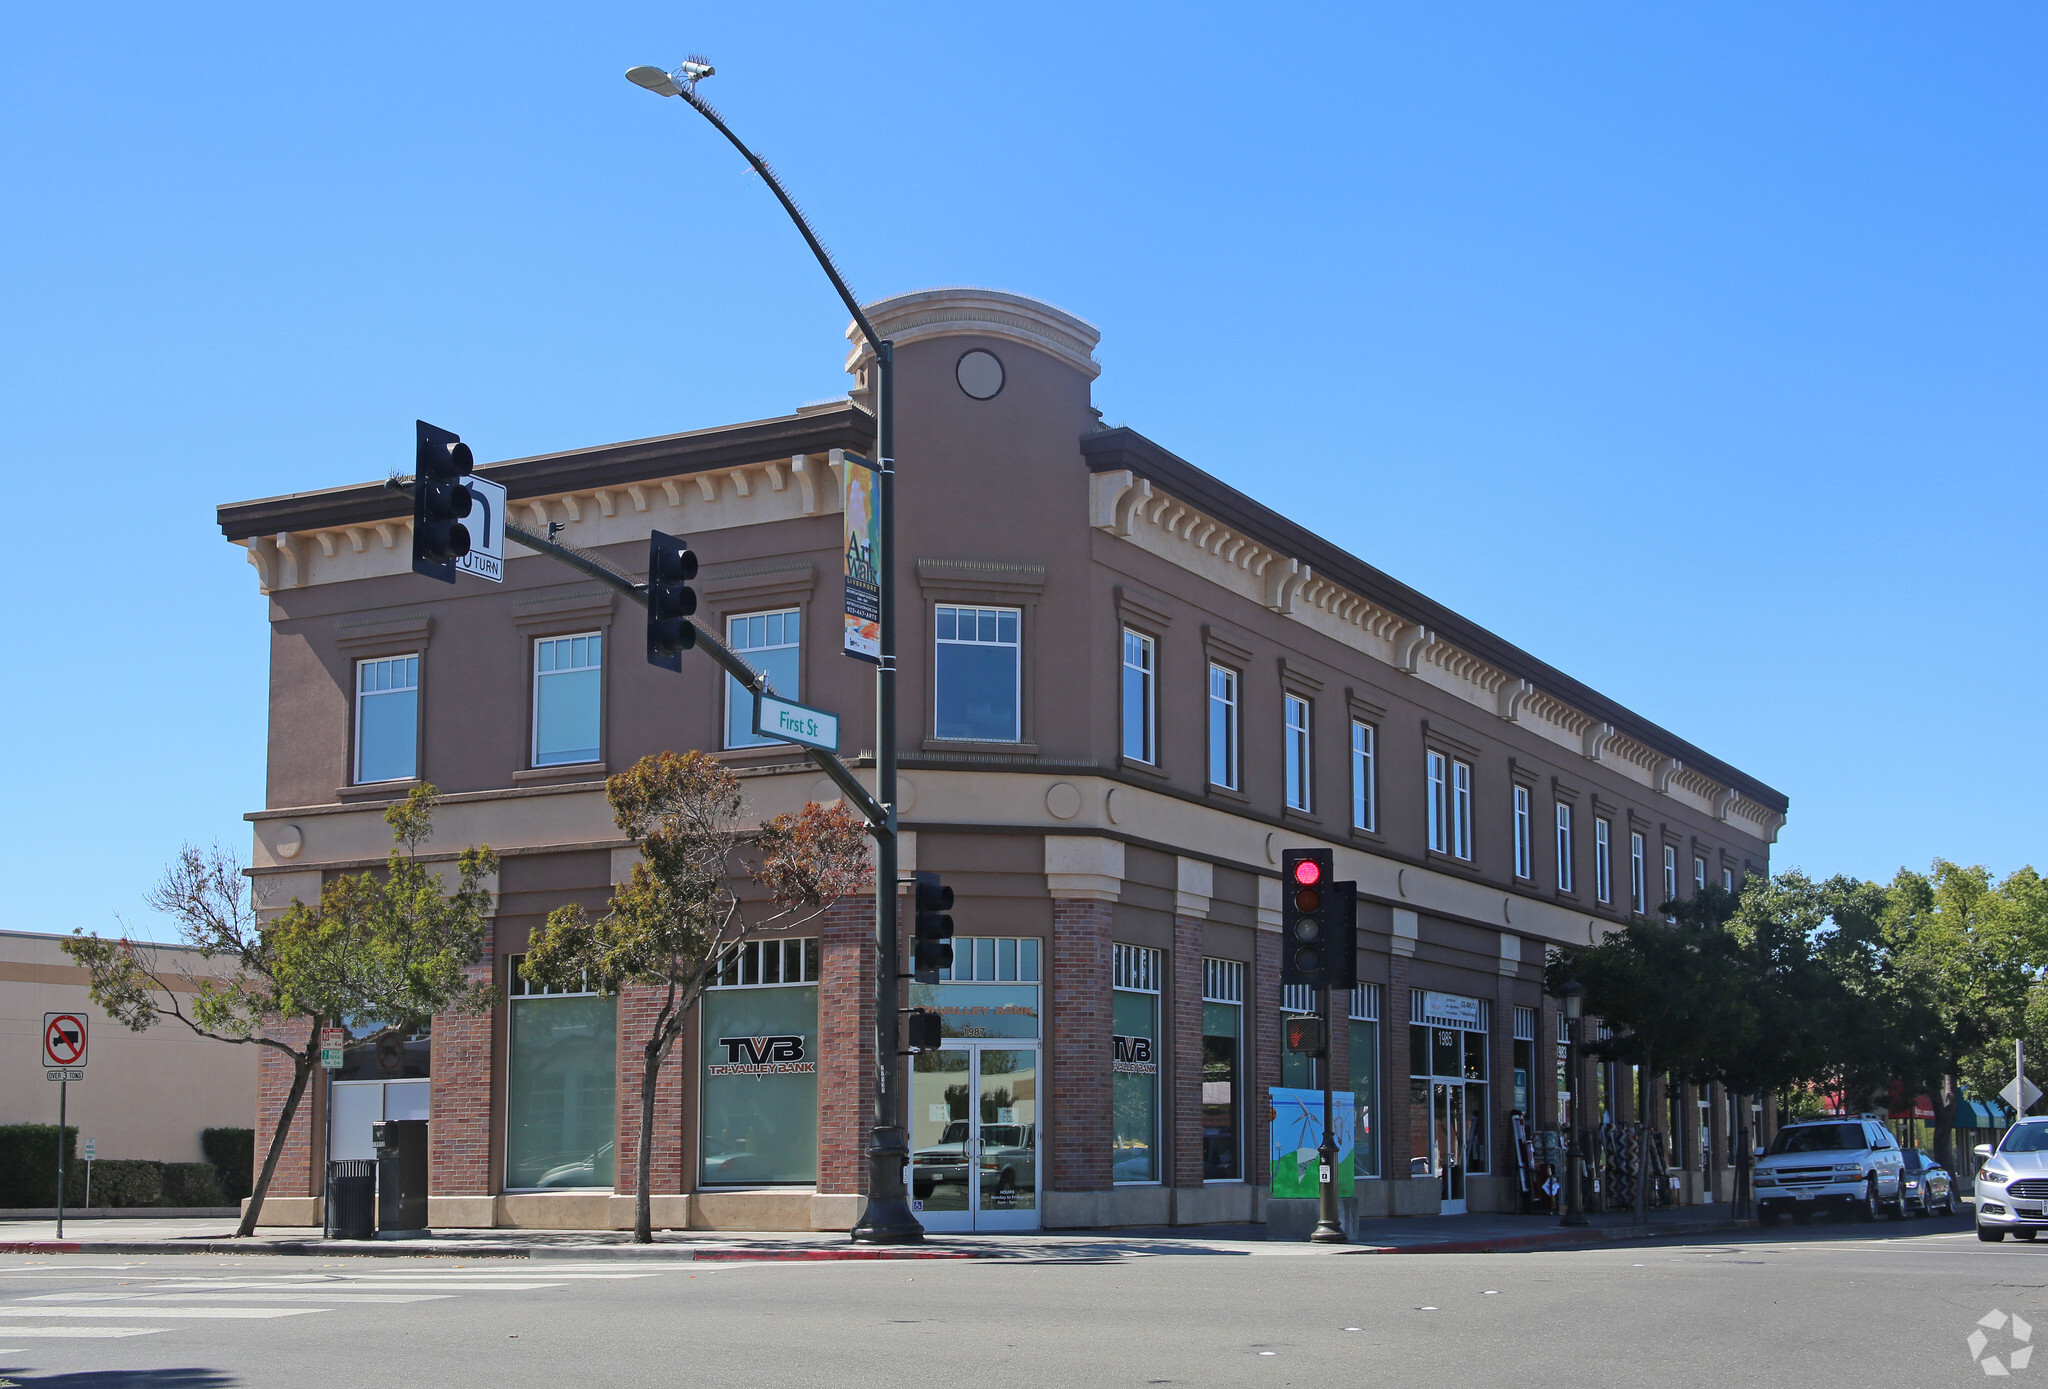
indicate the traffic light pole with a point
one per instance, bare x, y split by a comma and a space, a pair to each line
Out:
1329, 1227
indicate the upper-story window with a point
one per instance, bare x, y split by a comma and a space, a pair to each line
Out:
1638, 873
1670, 873
1564, 847
1140, 656
1450, 805
771, 643
977, 674
1365, 796
1727, 880
1223, 727
1603, 859
1699, 875
567, 698
1298, 788
1524, 850
388, 718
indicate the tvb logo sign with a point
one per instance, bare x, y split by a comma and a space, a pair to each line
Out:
775, 1055
1134, 1056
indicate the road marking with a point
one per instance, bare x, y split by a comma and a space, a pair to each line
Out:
82, 1332
189, 1312
295, 1293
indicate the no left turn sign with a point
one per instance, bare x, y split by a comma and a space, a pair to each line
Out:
63, 1039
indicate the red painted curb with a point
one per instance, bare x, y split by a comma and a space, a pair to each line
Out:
819, 1255
40, 1246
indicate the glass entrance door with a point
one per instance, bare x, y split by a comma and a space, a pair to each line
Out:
974, 1137
1447, 1128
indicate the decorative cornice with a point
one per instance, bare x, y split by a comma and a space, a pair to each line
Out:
984, 313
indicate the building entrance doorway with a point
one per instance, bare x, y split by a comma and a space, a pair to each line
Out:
974, 1137
1447, 1145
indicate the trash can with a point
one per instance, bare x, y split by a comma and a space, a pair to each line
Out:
352, 1199
401, 1176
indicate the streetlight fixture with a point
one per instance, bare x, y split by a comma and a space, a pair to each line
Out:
1573, 996
888, 1218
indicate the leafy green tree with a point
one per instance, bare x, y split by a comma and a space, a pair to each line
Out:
672, 924
394, 947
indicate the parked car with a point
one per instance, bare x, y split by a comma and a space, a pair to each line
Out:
2012, 1185
1929, 1186
1852, 1165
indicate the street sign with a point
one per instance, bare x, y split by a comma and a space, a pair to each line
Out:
64, 1039
332, 1039
64, 1073
2020, 1101
486, 522
87, 1154
793, 723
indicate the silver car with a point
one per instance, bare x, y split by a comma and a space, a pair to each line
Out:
1930, 1190
2012, 1185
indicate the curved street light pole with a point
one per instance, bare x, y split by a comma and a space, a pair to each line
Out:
887, 1218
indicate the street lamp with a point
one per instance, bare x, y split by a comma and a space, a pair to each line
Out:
1573, 996
888, 1218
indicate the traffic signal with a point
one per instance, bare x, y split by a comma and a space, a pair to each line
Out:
924, 1030
671, 564
932, 930
1305, 1034
1306, 917
1343, 935
439, 502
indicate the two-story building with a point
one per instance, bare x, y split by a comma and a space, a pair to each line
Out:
1127, 688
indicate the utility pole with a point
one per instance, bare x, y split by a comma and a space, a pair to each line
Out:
888, 1218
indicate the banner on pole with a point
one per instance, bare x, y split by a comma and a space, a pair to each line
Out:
862, 551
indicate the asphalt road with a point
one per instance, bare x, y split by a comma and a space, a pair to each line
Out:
1843, 1304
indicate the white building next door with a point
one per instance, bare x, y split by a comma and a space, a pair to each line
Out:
974, 1137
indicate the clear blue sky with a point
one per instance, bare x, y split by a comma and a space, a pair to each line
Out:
1699, 352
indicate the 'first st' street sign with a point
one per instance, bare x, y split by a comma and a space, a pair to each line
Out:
64, 1039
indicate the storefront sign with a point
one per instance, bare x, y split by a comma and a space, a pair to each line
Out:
1450, 1010
862, 547
980, 1010
1134, 1056
763, 1056
1294, 1123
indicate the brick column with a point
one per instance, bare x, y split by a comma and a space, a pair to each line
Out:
1398, 1139
459, 1106
298, 1166
846, 1044
639, 1005
1082, 1022
1184, 1032
1265, 1027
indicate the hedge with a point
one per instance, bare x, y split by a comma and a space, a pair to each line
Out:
28, 1165
28, 1174
233, 1155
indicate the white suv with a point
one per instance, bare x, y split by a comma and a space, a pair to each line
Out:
1852, 1164
2012, 1185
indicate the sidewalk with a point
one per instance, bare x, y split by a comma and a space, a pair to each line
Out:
1449, 1234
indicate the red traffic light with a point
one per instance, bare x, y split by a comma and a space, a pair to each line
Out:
1308, 872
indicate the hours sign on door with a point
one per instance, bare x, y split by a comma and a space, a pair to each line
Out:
63, 1039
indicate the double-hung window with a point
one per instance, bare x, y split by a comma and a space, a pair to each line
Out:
977, 674
771, 643
1699, 875
1298, 789
1223, 727
1603, 859
1450, 805
1564, 847
388, 718
1365, 809
1523, 849
568, 693
1638, 874
1727, 880
1670, 873
1140, 654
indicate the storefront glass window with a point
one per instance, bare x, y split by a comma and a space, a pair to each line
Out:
1135, 1065
1365, 1092
1220, 1052
759, 1099
1449, 1074
560, 1089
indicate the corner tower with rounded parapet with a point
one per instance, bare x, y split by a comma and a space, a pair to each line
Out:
926, 314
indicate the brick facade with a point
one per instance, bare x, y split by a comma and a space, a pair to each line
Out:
298, 1171
1079, 1116
459, 1136
1265, 1030
1184, 1100
1397, 1137
846, 1043
639, 1006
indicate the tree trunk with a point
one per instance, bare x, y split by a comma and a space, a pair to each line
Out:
1742, 1209
1944, 1125
302, 1072
1643, 1141
643, 1200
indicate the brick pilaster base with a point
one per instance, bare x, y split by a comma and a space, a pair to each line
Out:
459, 1098
846, 1044
298, 1167
1185, 1032
1082, 1023
1397, 1136
1265, 1026
639, 1005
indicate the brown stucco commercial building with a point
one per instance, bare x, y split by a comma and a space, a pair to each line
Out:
1127, 688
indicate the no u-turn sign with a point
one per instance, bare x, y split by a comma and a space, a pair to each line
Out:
63, 1039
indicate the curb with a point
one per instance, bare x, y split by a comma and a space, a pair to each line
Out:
1591, 1236
390, 1250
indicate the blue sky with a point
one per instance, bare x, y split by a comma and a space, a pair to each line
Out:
1699, 352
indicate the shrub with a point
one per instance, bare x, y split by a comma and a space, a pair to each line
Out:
233, 1155
28, 1165
191, 1184
127, 1182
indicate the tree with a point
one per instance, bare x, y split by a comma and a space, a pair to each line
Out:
393, 949
678, 917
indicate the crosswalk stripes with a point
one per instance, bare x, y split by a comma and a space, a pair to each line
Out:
127, 1296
